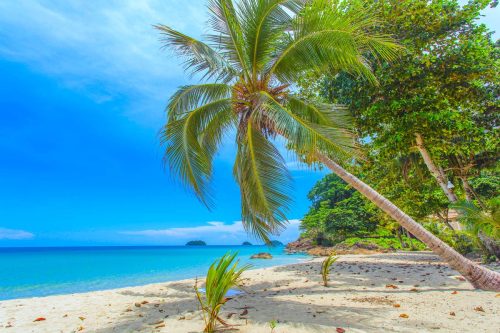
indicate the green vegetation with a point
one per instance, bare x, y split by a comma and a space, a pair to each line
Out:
222, 275
430, 129
341, 216
196, 243
325, 268
257, 51
261, 48
337, 212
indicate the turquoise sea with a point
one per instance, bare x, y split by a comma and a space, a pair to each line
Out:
30, 272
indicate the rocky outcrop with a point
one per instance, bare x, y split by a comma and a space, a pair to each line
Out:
262, 255
300, 245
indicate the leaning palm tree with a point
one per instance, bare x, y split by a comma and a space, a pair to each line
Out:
249, 63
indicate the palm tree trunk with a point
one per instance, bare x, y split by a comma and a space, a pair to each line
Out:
436, 172
480, 277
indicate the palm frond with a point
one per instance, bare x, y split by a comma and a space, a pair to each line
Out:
189, 97
199, 57
264, 21
478, 221
328, 36
307, 137
264, 182
333, 115
184, 154
229, 35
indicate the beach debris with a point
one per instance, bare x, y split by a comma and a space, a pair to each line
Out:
414, 289
137, 305
340, 330
144, 302
244, 312
65, 315
81, 318
158, 322
40, 319
182, 318
403, 315
81, 328
128, 310
497, 295
396, 305
452, 313
454, 292
391, 286
230, 314
160, 325
479, 309
460, 278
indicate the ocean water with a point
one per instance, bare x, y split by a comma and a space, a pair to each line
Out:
31, 272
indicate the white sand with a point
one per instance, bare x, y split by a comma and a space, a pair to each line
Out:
357, 301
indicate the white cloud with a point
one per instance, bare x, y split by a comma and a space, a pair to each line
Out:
15, 234
213, 233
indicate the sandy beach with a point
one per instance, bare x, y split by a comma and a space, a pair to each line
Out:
398, 292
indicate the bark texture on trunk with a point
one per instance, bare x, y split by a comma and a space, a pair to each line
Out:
480, 277
436, 172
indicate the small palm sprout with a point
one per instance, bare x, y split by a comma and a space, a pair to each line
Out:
222, 275
325, 268
273, 324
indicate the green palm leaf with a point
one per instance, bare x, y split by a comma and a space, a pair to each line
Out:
184, 154
189, 97
307, 137
264, 182
199, 57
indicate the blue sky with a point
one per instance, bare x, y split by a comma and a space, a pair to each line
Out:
82, 91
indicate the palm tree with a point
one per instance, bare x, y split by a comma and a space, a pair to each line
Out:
255, 53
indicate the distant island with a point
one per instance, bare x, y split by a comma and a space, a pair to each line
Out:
275, 243
196, 243
247, 243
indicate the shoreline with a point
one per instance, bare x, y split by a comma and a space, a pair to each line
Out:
47, 272
359, 300
151, 285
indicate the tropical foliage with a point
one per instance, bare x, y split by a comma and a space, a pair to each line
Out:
254, 54
339, 215
222, 275
337, 211
444, 89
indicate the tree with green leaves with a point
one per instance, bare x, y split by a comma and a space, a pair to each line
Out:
337, 211
257, 50
441, 99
